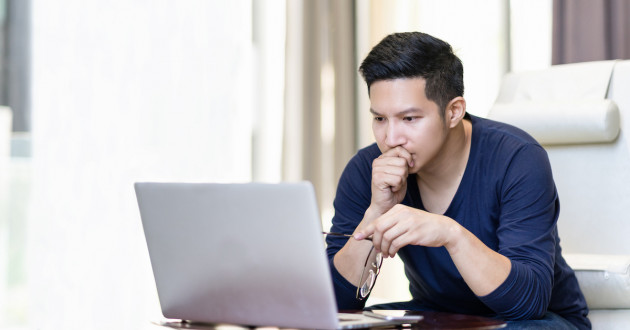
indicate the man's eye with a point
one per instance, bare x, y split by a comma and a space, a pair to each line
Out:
409, 118
379, 118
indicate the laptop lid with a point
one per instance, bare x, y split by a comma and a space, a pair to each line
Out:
249, 254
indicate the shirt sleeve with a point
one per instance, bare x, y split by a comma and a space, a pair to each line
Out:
527, 235
352, 199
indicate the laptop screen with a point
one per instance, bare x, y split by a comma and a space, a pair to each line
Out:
248, 253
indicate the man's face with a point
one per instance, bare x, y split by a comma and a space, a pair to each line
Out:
403, 116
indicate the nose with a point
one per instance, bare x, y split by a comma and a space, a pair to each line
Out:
394, 137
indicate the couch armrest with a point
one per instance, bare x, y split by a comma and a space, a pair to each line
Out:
604, 279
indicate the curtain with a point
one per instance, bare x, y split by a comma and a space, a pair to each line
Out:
320, 94
590, 30
15, 48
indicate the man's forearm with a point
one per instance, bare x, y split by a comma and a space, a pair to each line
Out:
482, 269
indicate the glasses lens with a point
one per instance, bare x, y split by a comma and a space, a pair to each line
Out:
378, 261
370, 272
366, 287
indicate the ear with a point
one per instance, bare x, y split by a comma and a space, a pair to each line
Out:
455, 111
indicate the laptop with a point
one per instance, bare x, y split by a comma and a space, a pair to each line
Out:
245, 253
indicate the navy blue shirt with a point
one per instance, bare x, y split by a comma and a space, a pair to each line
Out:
507, 198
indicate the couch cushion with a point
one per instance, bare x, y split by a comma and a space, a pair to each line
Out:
610, 319
604, 279
552, 122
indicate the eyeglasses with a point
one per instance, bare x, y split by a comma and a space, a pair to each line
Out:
371, 269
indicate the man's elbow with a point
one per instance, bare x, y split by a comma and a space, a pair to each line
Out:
533, 307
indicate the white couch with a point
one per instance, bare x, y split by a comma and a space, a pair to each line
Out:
580, 113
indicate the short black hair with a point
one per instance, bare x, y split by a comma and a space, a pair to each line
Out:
417, 55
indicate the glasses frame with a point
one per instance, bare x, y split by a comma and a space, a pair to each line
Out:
371, 269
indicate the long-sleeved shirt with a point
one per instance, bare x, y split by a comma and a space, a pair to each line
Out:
507, 198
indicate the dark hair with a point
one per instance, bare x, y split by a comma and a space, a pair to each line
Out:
414, 55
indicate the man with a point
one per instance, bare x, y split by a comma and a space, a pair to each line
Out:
468, 204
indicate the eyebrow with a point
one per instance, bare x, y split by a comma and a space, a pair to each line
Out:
404, 112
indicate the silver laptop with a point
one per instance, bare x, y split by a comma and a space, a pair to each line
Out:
247, 254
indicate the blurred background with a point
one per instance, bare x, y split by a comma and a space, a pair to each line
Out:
106, 93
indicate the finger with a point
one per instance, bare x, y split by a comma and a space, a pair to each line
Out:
384, 225
398, 243
398, 152
385, 181
395, 169
390, 165
391, 237
401, 153
369, 231
391, 160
